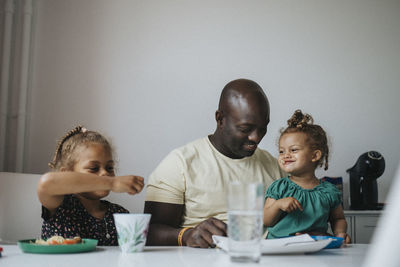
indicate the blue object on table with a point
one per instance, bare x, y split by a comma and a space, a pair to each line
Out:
336, 241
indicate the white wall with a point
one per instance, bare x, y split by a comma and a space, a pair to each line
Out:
148, 74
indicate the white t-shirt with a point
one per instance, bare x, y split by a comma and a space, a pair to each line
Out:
197, 175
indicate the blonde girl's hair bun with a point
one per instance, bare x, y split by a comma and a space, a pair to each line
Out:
300, 120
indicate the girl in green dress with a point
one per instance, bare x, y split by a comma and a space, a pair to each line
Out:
301, 203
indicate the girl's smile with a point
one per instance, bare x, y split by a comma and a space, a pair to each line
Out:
287, 162
295, 154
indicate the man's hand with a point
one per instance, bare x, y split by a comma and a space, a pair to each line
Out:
201, 235
289, 204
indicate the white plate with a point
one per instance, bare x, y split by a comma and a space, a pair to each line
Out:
290, 245
296, 248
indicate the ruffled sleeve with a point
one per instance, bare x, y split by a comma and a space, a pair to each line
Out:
332, 194
277, 188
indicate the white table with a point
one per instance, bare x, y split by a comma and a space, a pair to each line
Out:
179, 256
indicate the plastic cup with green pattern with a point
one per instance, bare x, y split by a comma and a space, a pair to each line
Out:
132, 231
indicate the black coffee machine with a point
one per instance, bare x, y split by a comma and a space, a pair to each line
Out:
363, 186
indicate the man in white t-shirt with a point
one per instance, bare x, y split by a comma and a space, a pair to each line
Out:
186, 193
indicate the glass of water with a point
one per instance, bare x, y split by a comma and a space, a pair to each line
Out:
245, 221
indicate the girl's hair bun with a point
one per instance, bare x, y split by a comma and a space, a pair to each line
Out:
300, 120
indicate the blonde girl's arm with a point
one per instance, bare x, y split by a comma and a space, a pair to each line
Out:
53, 186
339, 224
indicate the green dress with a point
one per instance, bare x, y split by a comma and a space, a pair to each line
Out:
317, 204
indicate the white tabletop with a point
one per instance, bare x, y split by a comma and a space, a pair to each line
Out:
352, 255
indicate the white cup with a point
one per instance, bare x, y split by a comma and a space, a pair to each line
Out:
245, 222
132, 231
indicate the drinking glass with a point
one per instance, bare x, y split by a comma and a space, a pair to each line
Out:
245, 222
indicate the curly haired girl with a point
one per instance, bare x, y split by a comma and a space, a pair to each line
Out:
301, 203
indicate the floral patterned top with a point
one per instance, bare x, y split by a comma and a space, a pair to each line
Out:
72, 219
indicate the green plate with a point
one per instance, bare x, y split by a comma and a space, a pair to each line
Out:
29, 246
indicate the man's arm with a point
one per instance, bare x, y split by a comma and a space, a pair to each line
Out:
165, 225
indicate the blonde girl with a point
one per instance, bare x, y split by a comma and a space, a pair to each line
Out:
71, 195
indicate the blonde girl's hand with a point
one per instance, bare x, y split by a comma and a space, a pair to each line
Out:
289, 204
130, 184
347, 239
